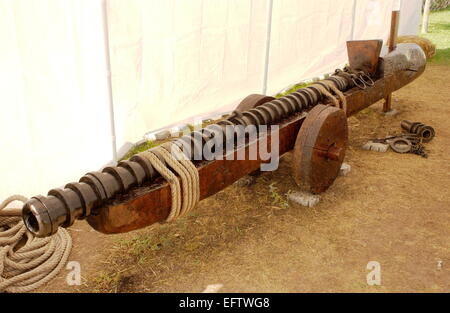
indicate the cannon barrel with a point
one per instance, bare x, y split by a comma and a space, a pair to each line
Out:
43, 215
97, 191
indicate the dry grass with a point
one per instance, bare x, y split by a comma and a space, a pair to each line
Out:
249, 239
392, 208
427, 46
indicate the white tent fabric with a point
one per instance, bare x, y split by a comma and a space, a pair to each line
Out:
171, 60
411, 13
54, 122
308, 39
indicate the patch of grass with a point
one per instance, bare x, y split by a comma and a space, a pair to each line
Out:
278, 199
292, 89
104, 281
439, 34
141, 148
137, 245
154, 143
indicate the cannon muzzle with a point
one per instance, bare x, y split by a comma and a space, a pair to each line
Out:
40, 220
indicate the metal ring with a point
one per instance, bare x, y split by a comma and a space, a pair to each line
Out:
293, 102
345, 76
298, 101
337, 84
369, 82
405, 148
263, 117
236, 120
317, 91
303, 100
254, 119
290, 104
310, 100
275, 109
360, 86
339, 81
272, 113
62, 196
283, 105
321, 83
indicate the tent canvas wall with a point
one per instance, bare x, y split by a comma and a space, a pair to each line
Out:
170, 60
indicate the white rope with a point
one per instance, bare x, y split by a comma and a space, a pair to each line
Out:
186, 195
27, 262
337, 92
343, 101
327, 94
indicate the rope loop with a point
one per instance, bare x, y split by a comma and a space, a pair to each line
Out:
185, 191
342, 103
28, 262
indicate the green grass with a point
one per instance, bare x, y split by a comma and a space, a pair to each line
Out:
140, 148
439, 34
292, 89
154, 143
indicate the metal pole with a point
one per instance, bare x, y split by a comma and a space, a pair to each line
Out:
353, 20
426, 14
109, 82
269, 32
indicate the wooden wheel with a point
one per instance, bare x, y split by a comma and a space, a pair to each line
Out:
320, 148
252, 101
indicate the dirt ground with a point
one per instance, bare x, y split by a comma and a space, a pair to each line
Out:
391, 208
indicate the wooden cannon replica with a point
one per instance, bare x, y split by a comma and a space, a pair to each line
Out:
311, 121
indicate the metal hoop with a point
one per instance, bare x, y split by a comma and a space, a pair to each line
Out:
360, 86
363, 77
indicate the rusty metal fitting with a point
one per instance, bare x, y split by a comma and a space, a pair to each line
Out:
346, 76
425, 132
400, 145
358, 82
366, 79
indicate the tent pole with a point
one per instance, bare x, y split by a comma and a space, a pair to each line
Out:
268, 35
109, 80
353, 20
391, 46
426, 15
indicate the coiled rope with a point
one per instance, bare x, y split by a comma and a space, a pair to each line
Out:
186, 196
28, 262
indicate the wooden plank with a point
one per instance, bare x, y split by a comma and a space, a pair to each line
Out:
387, 105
